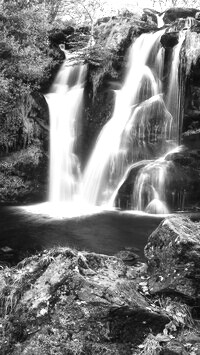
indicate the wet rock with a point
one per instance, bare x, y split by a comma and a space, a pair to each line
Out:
191, 120
173, 255
191, 139
128, 257
71, 37
169, 39
124, 197
182, 187
69, 302
197, 16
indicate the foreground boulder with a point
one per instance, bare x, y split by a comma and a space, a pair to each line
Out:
67, 302
173, 254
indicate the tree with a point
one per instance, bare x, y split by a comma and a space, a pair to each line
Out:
162, 5
85, 12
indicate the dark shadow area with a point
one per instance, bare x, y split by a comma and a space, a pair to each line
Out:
108, 232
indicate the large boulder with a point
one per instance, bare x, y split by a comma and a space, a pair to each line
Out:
182, 171
67, 302
173, 255
175, 13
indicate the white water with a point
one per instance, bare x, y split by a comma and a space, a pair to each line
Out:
141, 129
114, 149
173, 92
160, 21
149, 192
64, 101
142, 119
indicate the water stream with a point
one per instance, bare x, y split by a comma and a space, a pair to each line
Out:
144, 127
122, 140
64, 101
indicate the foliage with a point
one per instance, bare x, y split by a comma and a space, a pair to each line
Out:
150, 346
83, 11
24, 57
162, 5
20, 175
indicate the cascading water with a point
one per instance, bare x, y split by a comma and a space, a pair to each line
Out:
173, 92
149, 191
144, 125
140, 134
160, 21
64, 101
123, 139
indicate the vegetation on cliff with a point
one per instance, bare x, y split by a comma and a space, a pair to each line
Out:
24, 53
30, 57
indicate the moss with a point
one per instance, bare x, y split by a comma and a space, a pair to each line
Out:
22, 174
192, 50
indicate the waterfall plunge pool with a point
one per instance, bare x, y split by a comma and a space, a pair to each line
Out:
25, 230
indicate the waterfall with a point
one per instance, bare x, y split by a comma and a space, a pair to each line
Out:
173, 92
144, 126
142, 130
160, 21
149, 191
136, 120
64, 101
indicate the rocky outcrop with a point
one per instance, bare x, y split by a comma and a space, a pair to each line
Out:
182, 182
191, 67
176, 13
64, 301
173, 257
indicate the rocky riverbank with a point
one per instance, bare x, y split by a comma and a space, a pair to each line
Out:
62, 301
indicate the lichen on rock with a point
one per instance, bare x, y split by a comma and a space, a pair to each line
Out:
64, 301
173, 255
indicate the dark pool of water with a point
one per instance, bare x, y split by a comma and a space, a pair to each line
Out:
108, 232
